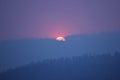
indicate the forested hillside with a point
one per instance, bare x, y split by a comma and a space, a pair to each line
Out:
87, 67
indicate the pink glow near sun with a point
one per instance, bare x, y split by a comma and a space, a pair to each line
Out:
57, 33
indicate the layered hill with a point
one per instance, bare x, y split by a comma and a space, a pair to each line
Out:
99, 67
15, 53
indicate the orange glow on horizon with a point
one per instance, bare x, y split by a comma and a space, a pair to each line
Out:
60, 39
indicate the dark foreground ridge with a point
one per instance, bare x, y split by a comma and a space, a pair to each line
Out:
100, 67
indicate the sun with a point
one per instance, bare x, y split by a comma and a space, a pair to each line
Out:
60, 38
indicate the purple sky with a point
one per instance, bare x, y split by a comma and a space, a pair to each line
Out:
51, 18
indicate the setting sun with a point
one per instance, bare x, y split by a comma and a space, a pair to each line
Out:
60, 39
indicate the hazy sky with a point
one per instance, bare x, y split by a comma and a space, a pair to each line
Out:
51, 18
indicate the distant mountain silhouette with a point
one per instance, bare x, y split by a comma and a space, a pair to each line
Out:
14, 53
99, 67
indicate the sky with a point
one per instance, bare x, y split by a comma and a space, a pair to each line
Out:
52, 18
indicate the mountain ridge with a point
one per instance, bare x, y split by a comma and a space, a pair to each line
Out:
15, 53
